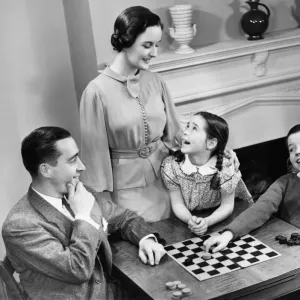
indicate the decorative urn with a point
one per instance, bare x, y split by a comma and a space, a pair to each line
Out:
183, 31
255, 22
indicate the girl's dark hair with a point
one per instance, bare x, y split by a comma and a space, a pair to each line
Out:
130, 23
293, 130
216, 128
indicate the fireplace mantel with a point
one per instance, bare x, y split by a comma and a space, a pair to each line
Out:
253, 82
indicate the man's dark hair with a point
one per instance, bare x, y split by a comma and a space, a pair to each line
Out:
40, 147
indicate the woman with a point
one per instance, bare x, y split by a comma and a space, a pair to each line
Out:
128, 120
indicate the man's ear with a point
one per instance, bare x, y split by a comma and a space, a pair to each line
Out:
45, 170
211, 144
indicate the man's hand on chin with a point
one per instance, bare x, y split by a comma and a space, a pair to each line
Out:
150, 252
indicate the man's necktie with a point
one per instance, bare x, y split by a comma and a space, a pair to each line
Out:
68, 207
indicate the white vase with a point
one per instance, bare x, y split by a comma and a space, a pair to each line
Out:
183, 31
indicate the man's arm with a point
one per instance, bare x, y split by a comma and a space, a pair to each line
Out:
36, 248
132, 228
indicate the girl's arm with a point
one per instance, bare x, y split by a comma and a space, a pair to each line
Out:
223, 211
178, 206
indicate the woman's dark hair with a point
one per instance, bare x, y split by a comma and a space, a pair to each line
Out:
40, 147
216, 128
293, 130
130, 23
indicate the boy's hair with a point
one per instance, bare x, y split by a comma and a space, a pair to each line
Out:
130, 23
40, 147
216, 127
293, 130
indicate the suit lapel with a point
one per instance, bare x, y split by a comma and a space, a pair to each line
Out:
104, 253
51, 214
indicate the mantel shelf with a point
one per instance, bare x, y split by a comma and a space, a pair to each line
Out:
169, 61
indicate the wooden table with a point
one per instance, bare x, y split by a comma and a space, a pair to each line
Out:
267, 280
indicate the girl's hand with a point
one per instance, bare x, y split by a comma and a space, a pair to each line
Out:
231, 155
192, 222
201, 227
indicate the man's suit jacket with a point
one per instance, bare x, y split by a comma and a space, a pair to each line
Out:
61, 259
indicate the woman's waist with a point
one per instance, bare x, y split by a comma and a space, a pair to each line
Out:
143, 151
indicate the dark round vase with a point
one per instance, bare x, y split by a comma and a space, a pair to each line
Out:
255, 22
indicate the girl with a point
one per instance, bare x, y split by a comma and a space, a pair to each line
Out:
198, 177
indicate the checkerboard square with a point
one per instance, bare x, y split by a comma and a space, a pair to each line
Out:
248, 239
198, 271
187, 243
213, 272
203, 264
272, 254
178, 255
218, 266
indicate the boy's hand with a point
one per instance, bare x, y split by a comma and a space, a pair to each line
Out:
219, 241
200, 227
151, 252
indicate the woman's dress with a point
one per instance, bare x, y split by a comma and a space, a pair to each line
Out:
128, 125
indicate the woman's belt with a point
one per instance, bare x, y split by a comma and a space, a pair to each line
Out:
142, 152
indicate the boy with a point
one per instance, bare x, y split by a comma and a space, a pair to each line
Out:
281, 197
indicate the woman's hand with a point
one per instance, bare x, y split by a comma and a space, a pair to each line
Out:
233, 160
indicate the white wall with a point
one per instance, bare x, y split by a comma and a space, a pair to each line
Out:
36, 86
217, 20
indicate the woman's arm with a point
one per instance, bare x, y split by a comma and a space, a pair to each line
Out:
178, 206
223, 211
94, 141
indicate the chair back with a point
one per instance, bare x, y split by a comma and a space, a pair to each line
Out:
9, 285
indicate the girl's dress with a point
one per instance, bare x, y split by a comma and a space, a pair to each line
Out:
194, 182
128, 125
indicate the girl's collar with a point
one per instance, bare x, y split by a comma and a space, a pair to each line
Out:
207, 169
131, 81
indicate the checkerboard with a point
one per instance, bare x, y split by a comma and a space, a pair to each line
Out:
242, 253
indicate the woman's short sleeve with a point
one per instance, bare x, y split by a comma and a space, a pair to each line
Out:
229, 179
168, 174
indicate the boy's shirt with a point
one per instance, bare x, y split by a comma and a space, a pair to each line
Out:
282, 197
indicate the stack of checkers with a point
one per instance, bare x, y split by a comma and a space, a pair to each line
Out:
294, 239
181, 289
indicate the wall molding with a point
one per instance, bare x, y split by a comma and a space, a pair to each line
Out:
282, 99
238, 86
227, 70
169, 61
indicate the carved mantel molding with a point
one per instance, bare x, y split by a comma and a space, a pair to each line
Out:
222, 71
253, 85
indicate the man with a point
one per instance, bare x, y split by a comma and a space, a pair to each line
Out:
56, 235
